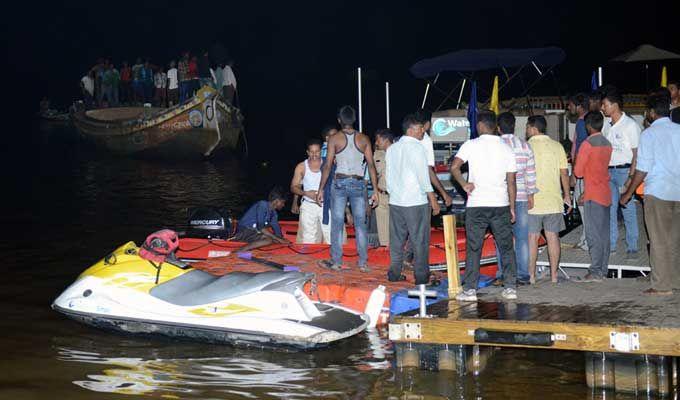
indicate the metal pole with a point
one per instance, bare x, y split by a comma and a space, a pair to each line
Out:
427, 89
599, 76
460, 95
361, 122
387, 103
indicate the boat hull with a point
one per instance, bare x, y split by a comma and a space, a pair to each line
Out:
126, 293
198, 128
207, 334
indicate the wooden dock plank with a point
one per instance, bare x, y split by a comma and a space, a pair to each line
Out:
582, 337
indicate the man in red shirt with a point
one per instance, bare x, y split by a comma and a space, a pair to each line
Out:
592, 162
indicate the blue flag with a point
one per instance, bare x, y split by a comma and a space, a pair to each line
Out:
472, 110
593, 81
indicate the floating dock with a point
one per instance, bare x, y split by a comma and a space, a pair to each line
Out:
629, 339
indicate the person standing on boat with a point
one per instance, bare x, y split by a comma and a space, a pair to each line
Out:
160, 81
491, 190
137, 84
173, 85
348, 151
125, 91
87, 87
624, 135
194, 81
229, 82
113, 78
659, 167
591, 166
411, 202
305, 183
146, 76
204, 74
552, 181
183, 77
252, 226
384, 138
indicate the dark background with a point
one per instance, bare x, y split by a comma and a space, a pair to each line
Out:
296, 61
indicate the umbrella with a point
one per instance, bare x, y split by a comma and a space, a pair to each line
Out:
646, 52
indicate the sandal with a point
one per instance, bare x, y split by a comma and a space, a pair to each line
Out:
329, 264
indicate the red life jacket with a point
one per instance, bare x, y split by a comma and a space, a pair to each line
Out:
159, 245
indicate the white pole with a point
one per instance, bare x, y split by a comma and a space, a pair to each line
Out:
460, 95
427, 89
387, 103
361, 122
599, 76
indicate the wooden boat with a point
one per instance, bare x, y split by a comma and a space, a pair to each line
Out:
53, 116
195, 129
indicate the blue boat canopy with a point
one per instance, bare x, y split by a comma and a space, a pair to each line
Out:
484, 59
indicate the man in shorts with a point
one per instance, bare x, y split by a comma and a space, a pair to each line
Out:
552, 182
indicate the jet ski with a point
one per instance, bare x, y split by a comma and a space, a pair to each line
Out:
127, 293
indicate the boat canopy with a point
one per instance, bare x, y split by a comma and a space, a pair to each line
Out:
484, 59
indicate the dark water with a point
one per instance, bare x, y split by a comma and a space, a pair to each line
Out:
65, 206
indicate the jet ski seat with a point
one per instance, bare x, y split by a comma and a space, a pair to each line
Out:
198, 287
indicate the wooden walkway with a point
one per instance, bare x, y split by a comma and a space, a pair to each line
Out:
618, 261
612, 316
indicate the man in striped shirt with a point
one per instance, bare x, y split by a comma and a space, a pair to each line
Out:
526, 187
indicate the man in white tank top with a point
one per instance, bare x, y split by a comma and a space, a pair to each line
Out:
305, 184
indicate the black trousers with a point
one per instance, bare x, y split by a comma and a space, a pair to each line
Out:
414, 223
477, 220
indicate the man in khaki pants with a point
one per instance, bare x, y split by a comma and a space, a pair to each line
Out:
658, 165
383, 140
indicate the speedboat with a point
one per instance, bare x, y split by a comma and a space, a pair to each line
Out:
128, 293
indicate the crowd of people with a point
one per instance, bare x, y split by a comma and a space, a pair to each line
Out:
105, 85
517, 188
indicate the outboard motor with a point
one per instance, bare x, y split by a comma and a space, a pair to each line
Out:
210, 223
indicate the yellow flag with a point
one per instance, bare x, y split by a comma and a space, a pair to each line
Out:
664, 77
494, 96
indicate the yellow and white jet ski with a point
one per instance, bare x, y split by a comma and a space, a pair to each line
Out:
127, 293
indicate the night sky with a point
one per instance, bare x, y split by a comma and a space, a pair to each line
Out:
296, 62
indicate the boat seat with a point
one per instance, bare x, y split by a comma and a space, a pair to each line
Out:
198, 287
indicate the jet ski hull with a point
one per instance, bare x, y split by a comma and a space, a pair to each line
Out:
235, 337
128, 294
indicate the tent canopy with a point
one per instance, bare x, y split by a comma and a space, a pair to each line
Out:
484, 59
646, 52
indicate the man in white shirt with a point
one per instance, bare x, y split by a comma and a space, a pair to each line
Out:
624, 135
408, 184
229, 82
173, 85
491, 190
87, 86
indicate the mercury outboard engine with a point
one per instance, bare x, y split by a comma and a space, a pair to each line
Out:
210, 223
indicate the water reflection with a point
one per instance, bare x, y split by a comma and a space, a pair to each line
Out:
166, 368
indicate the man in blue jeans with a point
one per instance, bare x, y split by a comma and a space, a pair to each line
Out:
347, 150
526, 187
624, 135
